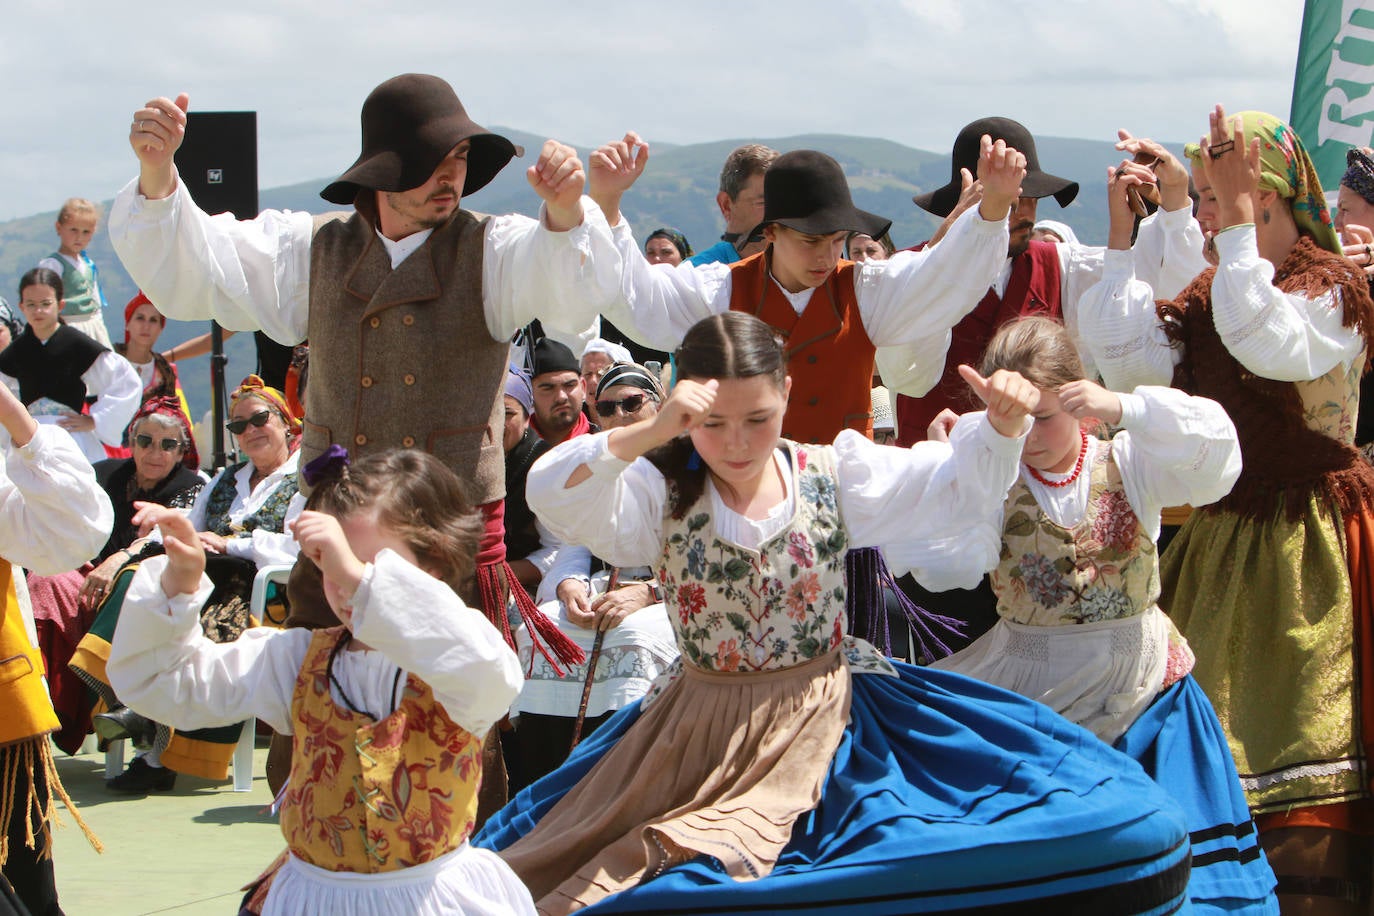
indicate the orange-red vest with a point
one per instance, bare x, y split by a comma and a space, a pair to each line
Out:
829, 355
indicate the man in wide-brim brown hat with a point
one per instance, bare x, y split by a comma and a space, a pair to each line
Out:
834, 315
409, 302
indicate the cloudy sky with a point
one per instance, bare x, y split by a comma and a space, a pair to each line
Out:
914, 71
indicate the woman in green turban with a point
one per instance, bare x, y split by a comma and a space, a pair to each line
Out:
1272, 584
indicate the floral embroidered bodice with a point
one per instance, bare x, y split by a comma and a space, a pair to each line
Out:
1331, 403
369, 796
735, 609
1103, 568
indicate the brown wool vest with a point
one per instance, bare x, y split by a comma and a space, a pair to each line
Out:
829, 355
403, 358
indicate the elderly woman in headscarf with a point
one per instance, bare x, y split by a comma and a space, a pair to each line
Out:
242, 518
1270, 584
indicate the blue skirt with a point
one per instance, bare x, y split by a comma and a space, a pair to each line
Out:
1179, 742
945, 795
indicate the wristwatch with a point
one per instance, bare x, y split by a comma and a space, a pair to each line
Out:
657, 591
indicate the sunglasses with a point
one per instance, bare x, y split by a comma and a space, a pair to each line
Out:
629, 405
259, 418
167, 445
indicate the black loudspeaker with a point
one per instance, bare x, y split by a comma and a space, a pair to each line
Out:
218, 161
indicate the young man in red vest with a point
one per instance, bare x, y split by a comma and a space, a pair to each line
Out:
833, 314
1041, 278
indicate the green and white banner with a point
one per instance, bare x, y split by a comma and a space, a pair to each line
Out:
1333, 89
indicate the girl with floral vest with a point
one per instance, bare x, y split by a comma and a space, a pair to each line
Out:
1078, 577
387, 712
780, 764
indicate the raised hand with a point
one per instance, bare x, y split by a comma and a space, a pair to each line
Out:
185, 557
1120, 179
613, 169
1001, 169
943, 424
1170, 173
1009, 397
323, 542
1231, 167
558, 178
970, 195
155, 135
1084, 400
687, 407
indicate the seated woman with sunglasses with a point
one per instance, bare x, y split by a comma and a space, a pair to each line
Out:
637, 644
161, 471
241, 517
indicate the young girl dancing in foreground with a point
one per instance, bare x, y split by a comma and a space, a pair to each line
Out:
758, 775
387, 711
1077, 582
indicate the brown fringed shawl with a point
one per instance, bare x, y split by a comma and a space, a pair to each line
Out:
1286, 462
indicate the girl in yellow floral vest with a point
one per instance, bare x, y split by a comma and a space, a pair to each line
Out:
1078, 578
387, 712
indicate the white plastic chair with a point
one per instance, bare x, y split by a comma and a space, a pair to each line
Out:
243, 750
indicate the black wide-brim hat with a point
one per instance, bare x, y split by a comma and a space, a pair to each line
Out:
941, 201
410, 123
807, 191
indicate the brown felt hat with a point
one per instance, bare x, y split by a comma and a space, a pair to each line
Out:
941, 201
410, 123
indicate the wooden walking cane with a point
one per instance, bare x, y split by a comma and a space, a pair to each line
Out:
592, 659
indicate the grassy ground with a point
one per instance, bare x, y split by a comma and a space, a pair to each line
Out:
187, 851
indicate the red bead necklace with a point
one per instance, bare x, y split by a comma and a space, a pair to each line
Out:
1077, 467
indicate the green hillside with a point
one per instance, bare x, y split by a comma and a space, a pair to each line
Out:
678, 190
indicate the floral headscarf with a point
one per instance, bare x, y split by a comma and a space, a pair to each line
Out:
1285, 167
170, 407
255, 387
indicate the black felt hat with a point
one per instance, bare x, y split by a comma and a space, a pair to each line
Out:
551, 356
807, 191
410, 123
1036, 183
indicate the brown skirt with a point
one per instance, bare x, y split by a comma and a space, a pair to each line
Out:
721, 765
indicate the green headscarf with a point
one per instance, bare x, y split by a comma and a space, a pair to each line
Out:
1285, 168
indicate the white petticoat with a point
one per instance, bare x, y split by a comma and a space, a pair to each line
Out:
1098, 675
468, 881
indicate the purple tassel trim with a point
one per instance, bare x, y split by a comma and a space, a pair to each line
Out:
869, 582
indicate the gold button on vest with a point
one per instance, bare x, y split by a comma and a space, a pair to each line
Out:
366, 381
375, 322
408, 441
360, 439
409, 379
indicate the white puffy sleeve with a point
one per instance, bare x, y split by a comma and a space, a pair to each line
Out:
118, 392
418, 623
617, 513
1120, 328
1174, 449
245, 275
935, 508
1287, 337
53, 515
162, 665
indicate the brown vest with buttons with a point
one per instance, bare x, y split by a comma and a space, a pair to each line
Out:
829, 355
403, 357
